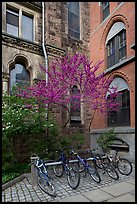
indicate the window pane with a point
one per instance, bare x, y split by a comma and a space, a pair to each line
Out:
73, 24
12, 21
105, 8
73, 7
12, 30
121, 117
122, 45
105, 5
75, 104
111, 52
73, 20
112, 118
27, 27
19, 76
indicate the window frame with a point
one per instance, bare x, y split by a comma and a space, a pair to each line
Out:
21, 12
117, 49
69, 24
14, 12
32, 18
104, 9
118, 115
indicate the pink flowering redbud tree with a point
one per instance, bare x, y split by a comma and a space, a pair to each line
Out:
63, 74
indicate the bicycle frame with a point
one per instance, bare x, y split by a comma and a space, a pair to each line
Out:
73, 177
44, 181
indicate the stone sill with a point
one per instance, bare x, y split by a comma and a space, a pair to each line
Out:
124, 129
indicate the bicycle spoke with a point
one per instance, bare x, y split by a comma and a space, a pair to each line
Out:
73, 178
124, 166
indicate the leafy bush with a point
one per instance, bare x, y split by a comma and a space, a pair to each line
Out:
105, 139
24, 128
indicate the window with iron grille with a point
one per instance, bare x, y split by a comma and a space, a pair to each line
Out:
25, 30
73, 20
121, 116
105, 9
116, 48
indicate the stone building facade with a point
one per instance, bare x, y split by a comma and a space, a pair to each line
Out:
49, 27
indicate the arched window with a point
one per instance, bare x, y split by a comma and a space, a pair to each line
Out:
121, 116
19, 76
116, 44
75, 105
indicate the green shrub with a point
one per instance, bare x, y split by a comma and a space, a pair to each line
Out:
105, 139
24, 128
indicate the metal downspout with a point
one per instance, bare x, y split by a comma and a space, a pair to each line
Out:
44, 50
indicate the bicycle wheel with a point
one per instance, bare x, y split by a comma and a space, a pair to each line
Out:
78, 167
58, 170
94, 173
46, 184
124, 166
102, 162
99, 163
73, 177
111, 171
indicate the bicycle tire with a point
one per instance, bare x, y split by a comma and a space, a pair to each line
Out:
46, 184
111, 171
124, 166
78, 167
93, 172
58, 170
102, 162
73, 177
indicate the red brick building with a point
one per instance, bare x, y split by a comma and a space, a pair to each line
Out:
112, 38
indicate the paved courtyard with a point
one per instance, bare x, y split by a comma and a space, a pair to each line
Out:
24, 191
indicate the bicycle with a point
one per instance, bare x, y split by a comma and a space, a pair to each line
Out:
88, 168
123, 165
102, 162
44, 181
65, 166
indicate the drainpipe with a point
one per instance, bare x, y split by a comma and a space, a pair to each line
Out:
44, 50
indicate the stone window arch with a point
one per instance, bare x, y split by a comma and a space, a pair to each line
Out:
18, 75
121, 116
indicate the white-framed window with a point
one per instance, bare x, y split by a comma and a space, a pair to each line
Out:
12, 22
19, 24
74, 20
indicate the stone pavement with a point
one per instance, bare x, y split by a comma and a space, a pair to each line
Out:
108, 190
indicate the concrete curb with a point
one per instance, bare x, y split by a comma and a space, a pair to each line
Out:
15, 180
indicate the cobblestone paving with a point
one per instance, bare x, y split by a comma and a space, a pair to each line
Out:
23, 191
